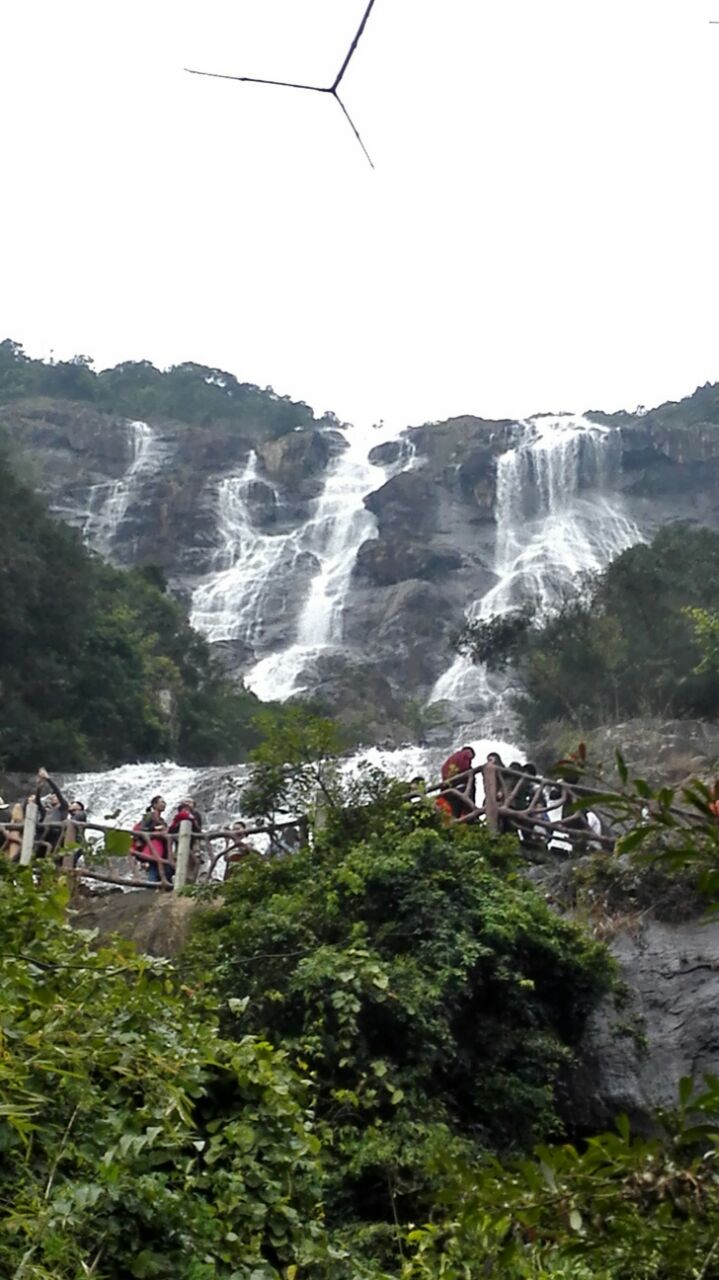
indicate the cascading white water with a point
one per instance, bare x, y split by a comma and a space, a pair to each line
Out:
120, 796
109, 502
556, 521
233, 602
339, 525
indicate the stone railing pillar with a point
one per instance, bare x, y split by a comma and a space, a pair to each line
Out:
183, 854
28, 833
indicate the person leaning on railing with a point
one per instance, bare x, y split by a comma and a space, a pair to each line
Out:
456, 776
236, 849
52, 815
10, 840
157, 856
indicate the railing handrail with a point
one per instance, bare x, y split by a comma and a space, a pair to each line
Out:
496, 810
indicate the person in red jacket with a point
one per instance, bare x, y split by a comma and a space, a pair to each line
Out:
455, 765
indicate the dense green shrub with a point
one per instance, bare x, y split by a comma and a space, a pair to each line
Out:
429, 991
135, 1141
619, 1208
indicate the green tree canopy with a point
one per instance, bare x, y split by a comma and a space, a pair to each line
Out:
193, 393
432, 994
135, 1141
99, 665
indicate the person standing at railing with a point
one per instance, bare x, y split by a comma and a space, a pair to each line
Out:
188, 812
456, 766
236, 849
52, 815
75, 832
157, 847
9, 840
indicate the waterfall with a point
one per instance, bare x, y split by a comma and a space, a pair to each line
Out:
109, 502
252, 572
121, 795
242, 589
556, 521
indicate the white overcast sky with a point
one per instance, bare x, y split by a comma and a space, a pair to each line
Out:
540, 232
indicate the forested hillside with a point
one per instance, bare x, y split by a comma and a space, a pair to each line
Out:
187, 392
98, 665
343, 1077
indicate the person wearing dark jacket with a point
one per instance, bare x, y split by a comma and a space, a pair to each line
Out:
52, 814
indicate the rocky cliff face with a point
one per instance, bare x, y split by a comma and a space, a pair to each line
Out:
439, 501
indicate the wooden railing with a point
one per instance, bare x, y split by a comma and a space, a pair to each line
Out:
186, 843
498, 809
501, 789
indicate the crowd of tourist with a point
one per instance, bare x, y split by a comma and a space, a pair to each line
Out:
522, 802
60, 833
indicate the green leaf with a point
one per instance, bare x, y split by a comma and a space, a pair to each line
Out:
117, 843
633, 839
623, 1127
686, 1090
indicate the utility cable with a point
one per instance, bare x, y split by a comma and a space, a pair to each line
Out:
331, 89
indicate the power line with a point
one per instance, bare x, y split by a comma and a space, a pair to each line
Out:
331, 89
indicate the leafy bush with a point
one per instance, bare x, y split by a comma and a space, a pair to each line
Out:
135, 1141
430, 992
621, 1208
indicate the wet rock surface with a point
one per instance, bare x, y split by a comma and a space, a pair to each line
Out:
156, 921
300, 456
359, 697
386, 561
631, 1060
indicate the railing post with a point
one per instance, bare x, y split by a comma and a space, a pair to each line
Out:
491, 807
183, 854
28, 834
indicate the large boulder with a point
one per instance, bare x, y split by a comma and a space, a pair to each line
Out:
298, 456
405, 505
411, 624
359, 697
158, 923
662, 1021
385, 561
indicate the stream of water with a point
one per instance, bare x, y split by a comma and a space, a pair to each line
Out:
558, 518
